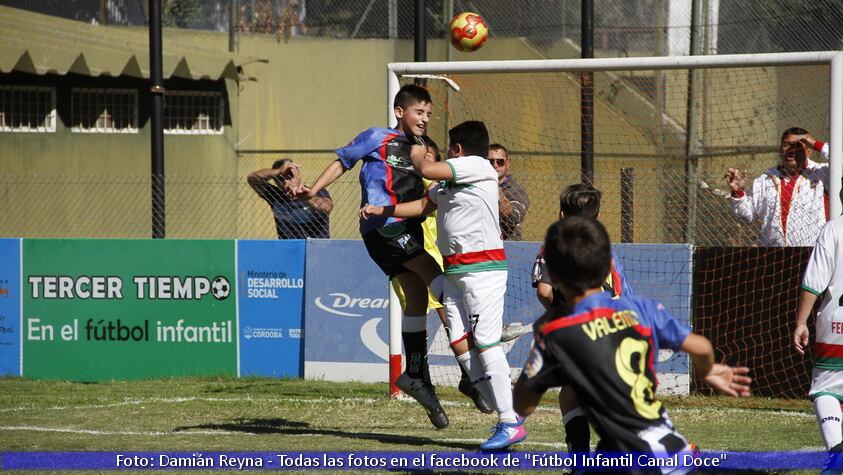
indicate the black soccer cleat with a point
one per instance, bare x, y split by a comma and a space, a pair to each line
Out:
470, 390
425, 394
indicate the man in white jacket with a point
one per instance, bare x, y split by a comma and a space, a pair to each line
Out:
791, 199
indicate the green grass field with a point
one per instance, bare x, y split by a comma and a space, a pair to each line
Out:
293, 415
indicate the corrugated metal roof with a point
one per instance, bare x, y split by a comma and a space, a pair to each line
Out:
42, 44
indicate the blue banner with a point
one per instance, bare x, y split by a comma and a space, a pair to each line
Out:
346, 313
347, 309
663, 272
270, 287
411, 461
10, 307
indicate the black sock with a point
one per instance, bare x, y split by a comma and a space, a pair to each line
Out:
578, 434
415, 346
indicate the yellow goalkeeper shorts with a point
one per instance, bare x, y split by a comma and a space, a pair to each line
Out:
432, 303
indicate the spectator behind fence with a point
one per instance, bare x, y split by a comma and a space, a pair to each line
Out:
791, 199
295, 218
513, 201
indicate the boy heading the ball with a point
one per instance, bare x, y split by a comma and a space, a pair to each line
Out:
396, 245
475, 264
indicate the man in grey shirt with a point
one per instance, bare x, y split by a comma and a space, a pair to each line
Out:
513, 202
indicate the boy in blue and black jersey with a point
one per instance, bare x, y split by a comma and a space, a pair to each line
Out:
396, 245
606, 348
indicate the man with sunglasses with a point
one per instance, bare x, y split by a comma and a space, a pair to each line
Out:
513, 201
791, 199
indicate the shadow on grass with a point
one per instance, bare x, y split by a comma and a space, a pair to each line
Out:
288, 427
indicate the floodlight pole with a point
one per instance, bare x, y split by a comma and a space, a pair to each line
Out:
156, 130
587, 95
420, 39
233, 16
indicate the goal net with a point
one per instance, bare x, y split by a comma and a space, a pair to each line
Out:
665, 132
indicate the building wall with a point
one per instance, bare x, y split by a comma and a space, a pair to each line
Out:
97, 184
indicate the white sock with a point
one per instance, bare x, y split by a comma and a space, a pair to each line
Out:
497, 370
828, 413
465, 361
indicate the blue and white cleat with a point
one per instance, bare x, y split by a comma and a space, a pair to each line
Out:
506, 434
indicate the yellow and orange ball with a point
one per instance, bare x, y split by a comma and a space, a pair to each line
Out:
468, 32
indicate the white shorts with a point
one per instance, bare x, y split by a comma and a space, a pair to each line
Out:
479, 297
826, 382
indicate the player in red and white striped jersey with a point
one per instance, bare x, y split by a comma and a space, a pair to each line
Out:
824, 276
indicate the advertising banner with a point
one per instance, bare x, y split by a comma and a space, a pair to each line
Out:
347, 310
346, 313
271, 298
128, 309
10, 300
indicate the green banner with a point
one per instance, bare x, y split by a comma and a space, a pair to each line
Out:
128, 309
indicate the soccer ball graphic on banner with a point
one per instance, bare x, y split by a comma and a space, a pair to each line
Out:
220, 288
468, 32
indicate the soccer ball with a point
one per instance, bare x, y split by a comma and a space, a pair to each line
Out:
468, 32
220, 288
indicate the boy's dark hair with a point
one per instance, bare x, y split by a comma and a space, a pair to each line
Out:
497, 146
473, 137
410, 94
580, 200
280, 163
429, 142
793, 131
578, 253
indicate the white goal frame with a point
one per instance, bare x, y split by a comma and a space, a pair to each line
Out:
835, 140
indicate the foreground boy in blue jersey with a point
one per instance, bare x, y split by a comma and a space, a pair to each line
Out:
606, 348
397, 245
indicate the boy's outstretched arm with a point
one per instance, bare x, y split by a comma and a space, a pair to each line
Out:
438, 171
329, 175
727, 380
410, 209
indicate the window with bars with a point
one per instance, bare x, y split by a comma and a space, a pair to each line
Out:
27, 109
104, 111
193, 112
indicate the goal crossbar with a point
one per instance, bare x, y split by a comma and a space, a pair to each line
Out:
833, 58
617, 64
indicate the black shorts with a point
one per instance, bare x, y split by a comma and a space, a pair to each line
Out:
393, 245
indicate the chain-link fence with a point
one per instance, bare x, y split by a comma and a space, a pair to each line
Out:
670, 195
640, 204
641, 27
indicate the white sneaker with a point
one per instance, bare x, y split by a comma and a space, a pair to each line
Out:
512, 331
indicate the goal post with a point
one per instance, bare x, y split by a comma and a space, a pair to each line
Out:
641, 115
